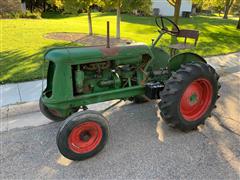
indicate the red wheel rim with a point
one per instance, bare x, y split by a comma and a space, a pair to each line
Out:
85, 137
196, 99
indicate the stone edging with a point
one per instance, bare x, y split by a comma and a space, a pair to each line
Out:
18, 109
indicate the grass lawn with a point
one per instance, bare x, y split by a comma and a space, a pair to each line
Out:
21, 39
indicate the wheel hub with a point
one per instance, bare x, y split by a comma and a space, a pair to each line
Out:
85, 137
196, 99
193, 99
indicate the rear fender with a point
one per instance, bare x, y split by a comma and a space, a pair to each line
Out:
175, 63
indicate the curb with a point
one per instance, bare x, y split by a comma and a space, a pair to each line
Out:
18, 109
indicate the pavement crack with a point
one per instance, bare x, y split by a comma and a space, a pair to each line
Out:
223, 125
228, 129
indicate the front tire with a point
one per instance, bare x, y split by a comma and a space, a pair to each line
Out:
189, 96
83, 135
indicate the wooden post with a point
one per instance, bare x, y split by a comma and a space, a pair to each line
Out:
118, 19
108, 34
238, 25
90, 21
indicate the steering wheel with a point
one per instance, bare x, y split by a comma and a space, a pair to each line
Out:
173, 32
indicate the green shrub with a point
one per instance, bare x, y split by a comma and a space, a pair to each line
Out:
33, 15
10, 15
16, 15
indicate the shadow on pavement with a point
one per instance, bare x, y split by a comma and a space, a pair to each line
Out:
135, 150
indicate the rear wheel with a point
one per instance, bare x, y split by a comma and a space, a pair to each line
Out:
189, 96
83, 135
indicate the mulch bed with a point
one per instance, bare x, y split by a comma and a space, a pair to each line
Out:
85, 39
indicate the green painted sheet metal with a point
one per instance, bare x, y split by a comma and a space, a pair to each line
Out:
160, 58
175, 62
87, 99
82, 55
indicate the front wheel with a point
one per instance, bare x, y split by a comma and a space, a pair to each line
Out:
189, 96
83, 135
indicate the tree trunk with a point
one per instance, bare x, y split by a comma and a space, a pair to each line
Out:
31, 6
44, 6
118, 34
177, 7
226, 10
238, 25
227, 7
90, 22
177, 10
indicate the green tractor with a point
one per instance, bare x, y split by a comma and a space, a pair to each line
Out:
185, 84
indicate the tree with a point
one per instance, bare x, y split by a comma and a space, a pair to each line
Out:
127, 6
238, 25
33, 4
118, 19
217, 5
142, 6
115, 4
228, 4
56, 3
73, 6
220, 5
235, 9
177, 5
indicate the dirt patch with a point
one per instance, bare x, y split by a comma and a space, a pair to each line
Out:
94, 40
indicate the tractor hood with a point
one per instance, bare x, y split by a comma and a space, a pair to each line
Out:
94, 54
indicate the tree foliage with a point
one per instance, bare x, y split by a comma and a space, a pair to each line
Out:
73, 6
209, 4
129, 6
35, 4
218, 5
56, 3
238, 25
140, 5
235, 9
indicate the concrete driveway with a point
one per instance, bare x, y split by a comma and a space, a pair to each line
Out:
141, 146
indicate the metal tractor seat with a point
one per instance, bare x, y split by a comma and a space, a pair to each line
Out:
191, 34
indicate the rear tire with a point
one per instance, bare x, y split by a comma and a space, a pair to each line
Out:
83, 135
189, 96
